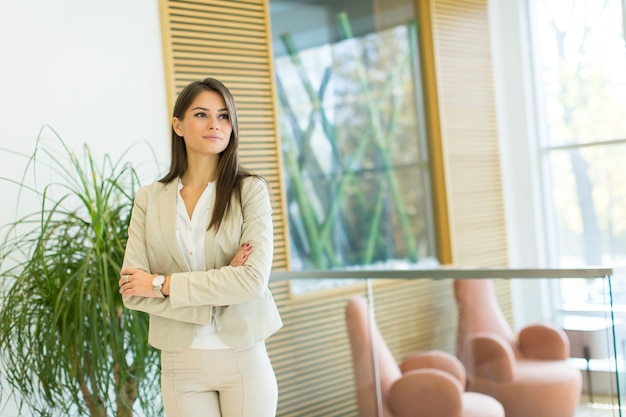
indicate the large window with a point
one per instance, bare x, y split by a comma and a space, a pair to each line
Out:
580, 58
352, 131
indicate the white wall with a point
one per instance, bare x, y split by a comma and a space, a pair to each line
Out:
93, 70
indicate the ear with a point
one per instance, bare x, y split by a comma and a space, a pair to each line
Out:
176, 127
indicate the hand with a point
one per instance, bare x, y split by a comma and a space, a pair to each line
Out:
242, 255
136, 282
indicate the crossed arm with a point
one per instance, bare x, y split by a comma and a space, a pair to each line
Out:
137, 282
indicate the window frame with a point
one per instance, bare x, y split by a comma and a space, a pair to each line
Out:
525, 158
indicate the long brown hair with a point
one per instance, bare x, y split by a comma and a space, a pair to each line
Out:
229, 173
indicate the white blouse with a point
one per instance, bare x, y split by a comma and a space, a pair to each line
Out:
190, 234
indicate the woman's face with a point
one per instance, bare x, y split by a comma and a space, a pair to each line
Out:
205, 126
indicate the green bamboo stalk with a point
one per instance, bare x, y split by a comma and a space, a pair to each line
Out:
375, 118
308, 214
374, 230
337, 196
316, 99
349, 176
329, 129
315, 240
295, 176
383, 139
374, 238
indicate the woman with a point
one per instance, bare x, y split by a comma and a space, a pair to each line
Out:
198, 260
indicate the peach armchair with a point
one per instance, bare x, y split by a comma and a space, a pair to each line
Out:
427, 384
528, 374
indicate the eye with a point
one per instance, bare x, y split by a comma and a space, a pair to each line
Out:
201, 115
224, 116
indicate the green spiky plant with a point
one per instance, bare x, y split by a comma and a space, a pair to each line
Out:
67, 345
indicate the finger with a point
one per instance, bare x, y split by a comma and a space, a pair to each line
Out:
124, 279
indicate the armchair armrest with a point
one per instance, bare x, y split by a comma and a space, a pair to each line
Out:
426, 393
543, 341
435, 359
492, 357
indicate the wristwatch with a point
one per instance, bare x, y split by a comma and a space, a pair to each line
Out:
157, 285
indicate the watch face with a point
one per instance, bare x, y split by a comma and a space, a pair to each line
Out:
158, 280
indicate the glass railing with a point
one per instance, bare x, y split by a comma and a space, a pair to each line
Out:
372, 343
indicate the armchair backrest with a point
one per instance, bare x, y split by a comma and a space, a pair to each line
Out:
479, 312
373, 363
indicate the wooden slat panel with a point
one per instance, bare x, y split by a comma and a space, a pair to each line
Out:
195, 73
210, 29
192, 44
243, 8
195, 59
226, 19
241, 40
192, 52
470, 137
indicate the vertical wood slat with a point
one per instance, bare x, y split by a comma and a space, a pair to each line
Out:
469, 136
469, 132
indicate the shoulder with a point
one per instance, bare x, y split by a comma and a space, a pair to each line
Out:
254, 184
156, 187
147, 192
255, 193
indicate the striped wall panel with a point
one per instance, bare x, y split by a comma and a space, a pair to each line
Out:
469, 136
469, 132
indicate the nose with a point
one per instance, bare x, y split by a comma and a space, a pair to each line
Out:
212, 123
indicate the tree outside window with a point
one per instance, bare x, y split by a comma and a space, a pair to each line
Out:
581, 77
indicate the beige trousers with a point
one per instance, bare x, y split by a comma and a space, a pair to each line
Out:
218, 383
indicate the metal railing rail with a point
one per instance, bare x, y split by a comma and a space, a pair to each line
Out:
452, 273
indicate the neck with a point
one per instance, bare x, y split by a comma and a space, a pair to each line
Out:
199, 173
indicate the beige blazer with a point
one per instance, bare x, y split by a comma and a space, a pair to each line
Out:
236, 299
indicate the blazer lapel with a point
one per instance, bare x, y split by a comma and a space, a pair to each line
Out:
167, 219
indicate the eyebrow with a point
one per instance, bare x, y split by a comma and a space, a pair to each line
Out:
202, 108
